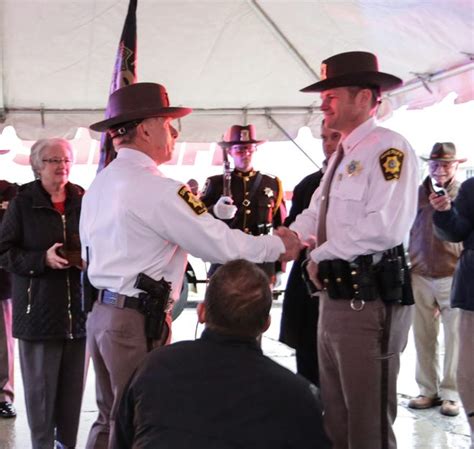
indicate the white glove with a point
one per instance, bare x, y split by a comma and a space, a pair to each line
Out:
224, 209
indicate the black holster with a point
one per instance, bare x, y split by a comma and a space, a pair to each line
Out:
391, 276
154, 303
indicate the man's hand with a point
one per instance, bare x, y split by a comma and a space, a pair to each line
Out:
224, 208
53, 260
312, 269
292, 243
441, 203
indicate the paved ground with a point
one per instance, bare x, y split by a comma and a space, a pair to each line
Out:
414, 429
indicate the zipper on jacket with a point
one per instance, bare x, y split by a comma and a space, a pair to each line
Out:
68, 283
28, 307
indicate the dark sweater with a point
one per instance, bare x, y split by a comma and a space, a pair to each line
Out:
217, 392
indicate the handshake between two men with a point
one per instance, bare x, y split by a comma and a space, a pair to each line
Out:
293, 247
293, 244
225, 209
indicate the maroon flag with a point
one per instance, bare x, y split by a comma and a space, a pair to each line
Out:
124, 74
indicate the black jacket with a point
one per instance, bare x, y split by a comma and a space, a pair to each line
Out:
217, 392
46, 302
300, 312
7, 193
457, 225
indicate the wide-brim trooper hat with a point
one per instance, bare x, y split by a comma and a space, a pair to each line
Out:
353, 68
444, 152
240, 135
137, 102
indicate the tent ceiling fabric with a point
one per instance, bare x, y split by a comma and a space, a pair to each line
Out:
234, 61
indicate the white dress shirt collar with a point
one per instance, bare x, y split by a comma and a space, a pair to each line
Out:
358, 134
136, 156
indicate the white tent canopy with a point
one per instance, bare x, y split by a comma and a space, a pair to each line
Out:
233, 61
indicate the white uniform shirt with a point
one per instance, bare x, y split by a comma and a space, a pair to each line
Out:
367, 214
133, 221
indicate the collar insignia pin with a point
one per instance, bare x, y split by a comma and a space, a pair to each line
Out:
353, 168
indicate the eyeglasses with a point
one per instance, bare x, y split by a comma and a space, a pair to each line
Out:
58, 161
442, 164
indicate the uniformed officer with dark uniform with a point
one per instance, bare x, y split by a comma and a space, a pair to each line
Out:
255, 202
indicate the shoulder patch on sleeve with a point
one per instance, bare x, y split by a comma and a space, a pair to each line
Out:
391, 163
192, 201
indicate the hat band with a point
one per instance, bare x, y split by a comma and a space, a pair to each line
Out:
124, 128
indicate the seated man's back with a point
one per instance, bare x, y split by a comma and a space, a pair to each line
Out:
221, 392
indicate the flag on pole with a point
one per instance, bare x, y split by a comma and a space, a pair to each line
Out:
124, 74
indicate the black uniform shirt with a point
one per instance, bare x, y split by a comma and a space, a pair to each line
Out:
260, 207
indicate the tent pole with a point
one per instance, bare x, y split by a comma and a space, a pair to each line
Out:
281, 35
269, 117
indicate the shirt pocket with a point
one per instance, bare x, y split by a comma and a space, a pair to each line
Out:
348, 196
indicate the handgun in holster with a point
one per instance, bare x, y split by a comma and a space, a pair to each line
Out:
154, 303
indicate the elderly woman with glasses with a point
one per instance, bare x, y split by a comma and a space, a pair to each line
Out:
39, 245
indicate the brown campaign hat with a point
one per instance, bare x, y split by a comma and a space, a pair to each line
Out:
240, 135
354, 68
444, 152
137, 102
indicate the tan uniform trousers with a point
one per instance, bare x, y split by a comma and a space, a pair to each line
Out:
6, 351
431, 295
117, 344
465, 374
359, 369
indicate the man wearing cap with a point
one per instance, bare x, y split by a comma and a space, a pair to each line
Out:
433, 262
361, 214
255, 204
299, 317
134, 220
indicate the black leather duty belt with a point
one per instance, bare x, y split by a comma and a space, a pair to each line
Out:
120, 301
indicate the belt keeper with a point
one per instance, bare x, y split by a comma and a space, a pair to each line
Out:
120, 301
